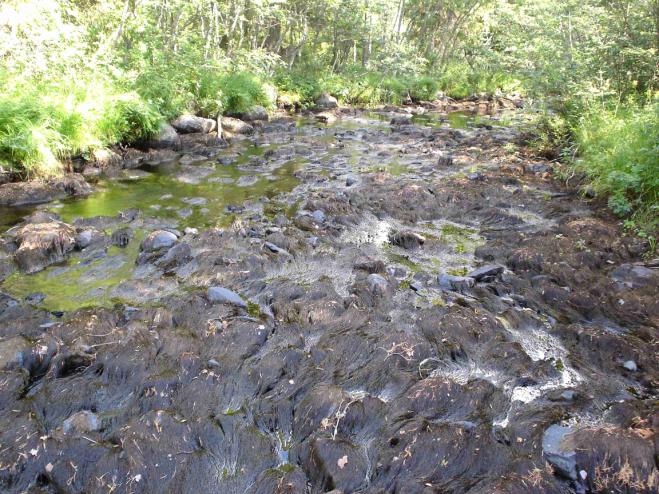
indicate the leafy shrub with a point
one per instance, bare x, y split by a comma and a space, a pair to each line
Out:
127, 118
619, 153
241, 91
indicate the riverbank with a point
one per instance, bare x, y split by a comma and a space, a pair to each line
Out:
414, 305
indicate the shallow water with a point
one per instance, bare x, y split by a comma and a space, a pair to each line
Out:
202, 194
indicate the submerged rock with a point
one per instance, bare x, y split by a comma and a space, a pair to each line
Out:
221, 295
43, 244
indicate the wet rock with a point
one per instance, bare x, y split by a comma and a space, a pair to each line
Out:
275, 248
188, 124
255, 113
377, 284
158, 239
192, 158
561, 456
326, 117
445, 159
401, 120
487, 272
369, 265
194, 174
84, 239
319, 216
105, 158
36, 192
455, 283
81, 422
236, 126
335, 464
43, 244
406, 239
221, 295
167, 138
326, 102
91, 173
633, 276
175, 257
630, 365
122, 237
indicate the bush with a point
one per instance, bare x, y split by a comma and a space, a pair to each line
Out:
241, 91
42, 125
619, 152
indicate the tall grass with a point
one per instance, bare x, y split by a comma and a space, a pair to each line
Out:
618, 151
43, 125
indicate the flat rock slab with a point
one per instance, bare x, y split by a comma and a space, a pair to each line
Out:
37, 192
221, 295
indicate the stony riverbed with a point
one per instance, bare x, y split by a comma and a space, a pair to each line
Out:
368, 306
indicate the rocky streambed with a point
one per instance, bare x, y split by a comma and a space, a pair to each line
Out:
390, 303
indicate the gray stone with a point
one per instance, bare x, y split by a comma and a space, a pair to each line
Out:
630, 365
255, 113
401, 120
444, 159
406, 239
633, 276
167, 138
84, 239
487, 272
43, 244
158, 240
188, 124
377, 284
221, 295
236, 126
559, 455
318, 216
81, 422
455, 283
327, 102
351, 181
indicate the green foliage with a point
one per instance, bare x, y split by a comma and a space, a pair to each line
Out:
241, 91
619, 152
127, 118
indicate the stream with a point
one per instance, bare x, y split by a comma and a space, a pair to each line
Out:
364, 306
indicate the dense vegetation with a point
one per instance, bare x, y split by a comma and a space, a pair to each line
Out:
79, 75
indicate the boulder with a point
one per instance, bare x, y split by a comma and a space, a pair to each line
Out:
167, 138
81, 422
221, 295
37, 192
326, 117
406, 239
105, 158
632, 276
487, 272
236, 126
43, 244
157, 240
401, 120
455, 283
326, 102
190, 124
561, 456
255, 113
